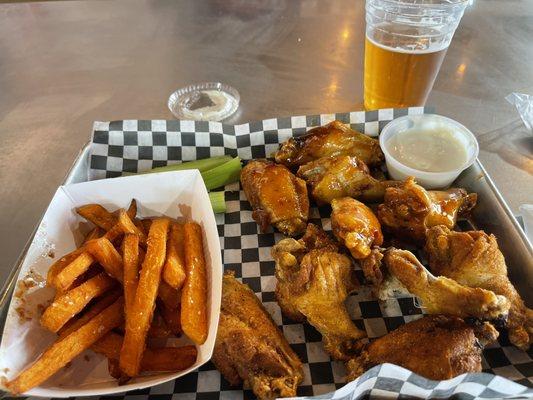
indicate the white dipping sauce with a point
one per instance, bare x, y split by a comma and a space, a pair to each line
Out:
435, 149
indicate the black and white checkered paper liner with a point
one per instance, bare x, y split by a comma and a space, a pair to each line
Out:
391, 381
136, 146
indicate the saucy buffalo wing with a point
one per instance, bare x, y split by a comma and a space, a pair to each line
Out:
333, 139
343, 176
277, 197
355, 226
409, 210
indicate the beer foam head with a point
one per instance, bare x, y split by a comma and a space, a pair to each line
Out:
413, 47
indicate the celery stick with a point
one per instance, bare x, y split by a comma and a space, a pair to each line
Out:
222, 175
218, 202
202, 165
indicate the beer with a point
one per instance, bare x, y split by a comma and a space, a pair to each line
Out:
396, 78
406, 41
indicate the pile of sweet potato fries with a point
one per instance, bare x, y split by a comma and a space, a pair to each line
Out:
131, 279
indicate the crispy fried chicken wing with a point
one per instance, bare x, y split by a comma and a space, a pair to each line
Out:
315, 238
436, 347
250, 348
333, 139
474, 259
441, 295
355, 226
313, 281
371, 267
343, 176
276, 195
410, 210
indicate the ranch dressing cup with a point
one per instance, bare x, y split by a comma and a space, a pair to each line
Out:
432, 148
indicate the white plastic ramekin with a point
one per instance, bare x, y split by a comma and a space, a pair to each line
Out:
429, 180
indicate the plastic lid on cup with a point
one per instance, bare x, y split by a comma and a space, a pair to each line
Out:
208, 101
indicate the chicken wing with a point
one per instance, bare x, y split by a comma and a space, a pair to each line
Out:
436, 347
441, 295
276, 195
474, 259
355, 226
250, 348
410, 210
313, 281
333, 139
343, 176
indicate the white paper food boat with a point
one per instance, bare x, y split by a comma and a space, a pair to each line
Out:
174, 194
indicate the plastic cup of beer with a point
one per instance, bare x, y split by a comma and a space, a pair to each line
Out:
406, 41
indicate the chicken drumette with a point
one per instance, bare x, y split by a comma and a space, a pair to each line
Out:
355, 226
343, 176
474, 259
409, 210
250, 348
439, 295
333, 139
313, 281
436, 347
276, 195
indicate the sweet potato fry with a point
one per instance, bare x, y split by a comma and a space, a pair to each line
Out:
146, 223
158, 327
113, 368
74, 324
109, 345
130, 257
98, 215
66, 277
132, 209
74, 301
128, 226
194, 292
138, 223
169, 296
138, 323
142, 254
58, 266
64, 350
108, 257
168, 359
164, 359
174, 269
171, 317
114, 234
95, 233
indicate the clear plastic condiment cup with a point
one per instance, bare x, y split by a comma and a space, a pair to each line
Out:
429, 180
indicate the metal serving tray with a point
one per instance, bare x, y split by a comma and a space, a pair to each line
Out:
491, 214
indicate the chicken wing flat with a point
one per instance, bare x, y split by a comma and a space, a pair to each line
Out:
250, 348
343, 176
333, 139
435, 347
355, 226
277, 196
408, 211
474, 259
313, 282
441, 295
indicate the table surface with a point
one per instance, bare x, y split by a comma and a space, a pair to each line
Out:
65, 64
